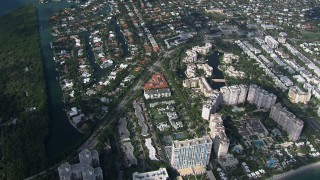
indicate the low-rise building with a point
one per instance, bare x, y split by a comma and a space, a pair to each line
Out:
200, 83
296, 95
271, 42
124, 134
152, 150
156, 87
229, 58
128, 150
232, 72
160, 174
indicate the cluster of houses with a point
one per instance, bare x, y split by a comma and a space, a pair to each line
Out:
74, 71
105, 48
73, 59
272, 15
311, 48
139, 43
69, 21
312, 151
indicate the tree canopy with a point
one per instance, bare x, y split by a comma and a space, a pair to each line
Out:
23, 107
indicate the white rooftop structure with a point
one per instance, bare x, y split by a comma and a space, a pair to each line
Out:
160, 174
152, 150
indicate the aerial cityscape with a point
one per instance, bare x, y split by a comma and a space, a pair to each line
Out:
156, 90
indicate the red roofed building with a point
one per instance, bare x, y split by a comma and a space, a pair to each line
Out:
157, 81
156, 87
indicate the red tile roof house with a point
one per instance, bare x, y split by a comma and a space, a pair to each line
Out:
156, 87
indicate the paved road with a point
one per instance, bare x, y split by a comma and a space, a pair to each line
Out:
92, 141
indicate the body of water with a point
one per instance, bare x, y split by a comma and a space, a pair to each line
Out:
62, 133
312, 173
213, 61
121, 39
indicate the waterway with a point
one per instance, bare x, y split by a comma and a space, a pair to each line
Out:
121, 38
213, 61
62, 134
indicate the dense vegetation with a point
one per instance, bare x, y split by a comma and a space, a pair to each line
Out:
23, 107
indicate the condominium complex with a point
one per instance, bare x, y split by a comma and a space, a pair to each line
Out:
156, 87
203, 49
206, 68
228, 58
296, 95
211, 105
192, 55
288, 121
160, 174
260, 97
217, 133
86, 169
271, 42
231, 71
191, 71
243, 93
233, 95
200, 83
191, 153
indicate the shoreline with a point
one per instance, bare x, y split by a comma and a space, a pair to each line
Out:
292, 172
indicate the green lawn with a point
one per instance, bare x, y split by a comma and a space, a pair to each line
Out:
311, 36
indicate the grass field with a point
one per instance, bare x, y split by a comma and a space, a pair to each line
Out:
311, 35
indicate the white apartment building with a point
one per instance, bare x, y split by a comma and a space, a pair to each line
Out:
211, 105
271, 42
287, 120
260, 97
221, 145
296, 95
191, 153
233, 95
217, 133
